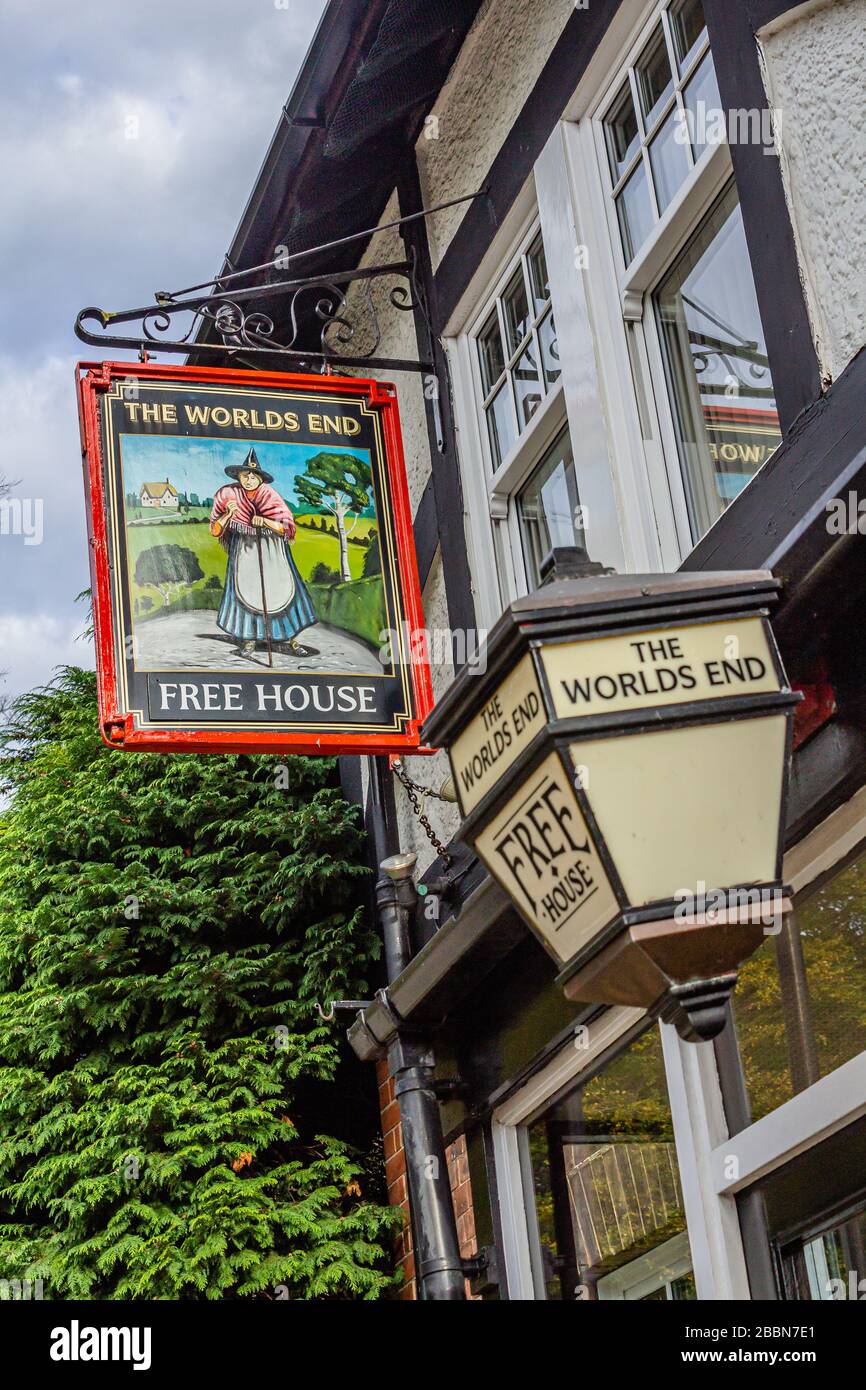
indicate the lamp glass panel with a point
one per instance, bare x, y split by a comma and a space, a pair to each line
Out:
621, 673
681, 807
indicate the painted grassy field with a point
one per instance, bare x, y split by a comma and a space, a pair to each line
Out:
310, 548
362, 527
153, 515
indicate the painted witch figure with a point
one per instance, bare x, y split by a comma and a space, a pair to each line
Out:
265, 598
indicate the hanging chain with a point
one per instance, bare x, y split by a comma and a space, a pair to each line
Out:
412, 790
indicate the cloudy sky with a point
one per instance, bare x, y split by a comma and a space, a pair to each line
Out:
93, 216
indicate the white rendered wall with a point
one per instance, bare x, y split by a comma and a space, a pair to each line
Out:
496, 70
398, 339
815, 69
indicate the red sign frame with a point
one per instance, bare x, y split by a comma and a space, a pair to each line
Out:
120, 726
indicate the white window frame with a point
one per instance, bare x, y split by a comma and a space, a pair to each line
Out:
576, 399
622, 294
699, 1127
494, 493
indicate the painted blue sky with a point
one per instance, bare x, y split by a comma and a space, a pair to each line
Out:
198, 465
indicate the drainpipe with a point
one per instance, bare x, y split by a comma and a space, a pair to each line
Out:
395, 899
411, 1062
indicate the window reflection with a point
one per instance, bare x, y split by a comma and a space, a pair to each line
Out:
608, 1197
517, 354
549, 508
688, 27
716, 359
800, 1004
819, 1268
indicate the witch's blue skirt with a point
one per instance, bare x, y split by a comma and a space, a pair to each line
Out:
245, 625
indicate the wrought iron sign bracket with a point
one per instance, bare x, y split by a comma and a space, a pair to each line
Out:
224, 317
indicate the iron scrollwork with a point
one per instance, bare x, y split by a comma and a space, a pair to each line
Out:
229, 322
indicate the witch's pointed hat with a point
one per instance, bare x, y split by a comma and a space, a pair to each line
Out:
250, 465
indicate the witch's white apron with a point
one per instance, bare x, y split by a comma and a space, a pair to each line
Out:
279, 580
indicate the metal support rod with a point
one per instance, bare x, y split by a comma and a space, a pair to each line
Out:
438, 1264
281, 261
383, 843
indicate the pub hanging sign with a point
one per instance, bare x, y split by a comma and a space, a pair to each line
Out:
253, 570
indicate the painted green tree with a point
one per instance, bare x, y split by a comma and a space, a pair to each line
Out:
168, 568
341, 484
167, 925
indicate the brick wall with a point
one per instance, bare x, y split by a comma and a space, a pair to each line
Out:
395, 1176
398, 1193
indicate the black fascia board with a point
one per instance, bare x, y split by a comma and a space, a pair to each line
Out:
345, 35
332, 60
325, 61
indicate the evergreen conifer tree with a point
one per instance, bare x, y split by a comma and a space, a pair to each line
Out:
167, 925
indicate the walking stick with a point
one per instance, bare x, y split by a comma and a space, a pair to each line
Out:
264, 600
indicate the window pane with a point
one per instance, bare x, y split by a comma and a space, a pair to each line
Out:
635, 213
717, 367
500, 424
813, 1270
538, 275
527, 388
706, 116
549, 350
668, 158
654, 79
548, 508
517, 317
607, 1187
689, 27
800, 1005
621, 133
490, 353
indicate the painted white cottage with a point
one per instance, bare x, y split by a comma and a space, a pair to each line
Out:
159, 495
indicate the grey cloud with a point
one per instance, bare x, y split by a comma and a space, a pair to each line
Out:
130, 136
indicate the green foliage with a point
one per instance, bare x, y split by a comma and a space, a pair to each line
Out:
323, 574
166, 567
357, 607
335, 480
167, 924
373, 559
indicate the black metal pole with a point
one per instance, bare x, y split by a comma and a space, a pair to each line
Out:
438, 1265
412, 1063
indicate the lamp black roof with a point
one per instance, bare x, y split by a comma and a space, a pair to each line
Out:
596, 606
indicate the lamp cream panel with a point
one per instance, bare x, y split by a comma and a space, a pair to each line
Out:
688, 806
672, 665
540, 850
497, 735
